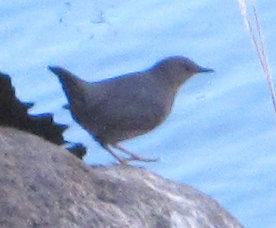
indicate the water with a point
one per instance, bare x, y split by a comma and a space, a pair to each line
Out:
221, 135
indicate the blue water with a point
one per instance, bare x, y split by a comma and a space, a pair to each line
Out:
220, 137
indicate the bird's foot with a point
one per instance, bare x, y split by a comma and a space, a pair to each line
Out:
133, 157
138, 158
125, 161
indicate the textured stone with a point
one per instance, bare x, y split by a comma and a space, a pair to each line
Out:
42, 185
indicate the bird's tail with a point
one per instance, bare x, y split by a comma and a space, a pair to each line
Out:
71, 84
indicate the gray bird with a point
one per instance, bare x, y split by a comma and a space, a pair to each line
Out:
129, 105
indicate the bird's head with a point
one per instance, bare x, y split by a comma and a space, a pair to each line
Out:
176, 70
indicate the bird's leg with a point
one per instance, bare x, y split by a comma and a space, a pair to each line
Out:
133, 156
122, 161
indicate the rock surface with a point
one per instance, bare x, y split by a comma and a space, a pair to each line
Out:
42, 185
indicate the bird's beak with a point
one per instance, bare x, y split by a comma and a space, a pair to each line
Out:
205, 70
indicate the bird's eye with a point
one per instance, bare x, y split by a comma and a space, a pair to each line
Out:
185, 67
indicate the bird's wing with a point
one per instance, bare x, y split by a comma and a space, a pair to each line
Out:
132, 104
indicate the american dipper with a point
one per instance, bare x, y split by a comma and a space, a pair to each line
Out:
129, 105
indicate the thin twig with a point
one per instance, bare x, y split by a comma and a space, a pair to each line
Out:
258, 42
265, 59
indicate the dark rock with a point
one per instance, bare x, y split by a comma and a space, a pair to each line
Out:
78, 150
14, 113
42, 185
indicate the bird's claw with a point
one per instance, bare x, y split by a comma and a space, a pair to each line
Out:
138, 158
125, 161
